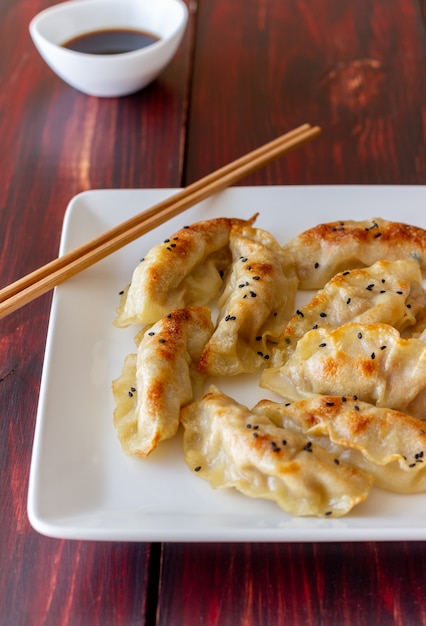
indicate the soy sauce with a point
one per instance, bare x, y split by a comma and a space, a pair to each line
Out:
111, 41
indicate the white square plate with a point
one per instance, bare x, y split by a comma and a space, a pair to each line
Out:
82, 486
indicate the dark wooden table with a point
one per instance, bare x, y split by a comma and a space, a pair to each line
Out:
247, 71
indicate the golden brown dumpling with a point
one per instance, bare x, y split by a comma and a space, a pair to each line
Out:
370, 361
321, 252
229, 446
389, 445
162, 377
257, 301
183, 271
390, 292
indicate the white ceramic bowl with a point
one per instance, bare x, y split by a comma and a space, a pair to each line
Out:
112, 74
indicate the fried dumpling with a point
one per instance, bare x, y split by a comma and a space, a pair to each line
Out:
321, 252
390, 292
370, 361
229, 446
157, 381
257, 301
389, 445
185, 270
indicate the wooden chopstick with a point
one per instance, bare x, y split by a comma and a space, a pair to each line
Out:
38, 282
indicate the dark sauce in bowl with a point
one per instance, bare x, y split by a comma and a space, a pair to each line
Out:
111, 41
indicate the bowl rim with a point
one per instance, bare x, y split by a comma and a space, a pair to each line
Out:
34, 27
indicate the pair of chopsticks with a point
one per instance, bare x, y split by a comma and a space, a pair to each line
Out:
40, 281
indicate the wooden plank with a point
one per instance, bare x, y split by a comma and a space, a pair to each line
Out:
354, 68
299, 584
55, 143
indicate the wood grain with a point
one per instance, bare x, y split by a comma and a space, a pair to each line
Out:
246, 72
354, 68
321, 584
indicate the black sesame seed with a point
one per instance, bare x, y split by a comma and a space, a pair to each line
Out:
256, 277
161, 341
284, 442
343, 399
266, 357
370, 287
260, 353
276, 449
241, 286
322, 345
248, 425
377, 235
316, 266
315, 326
329, 404
359, 335
348, 301
383, 280
299, 312
120, 293
382, 347
308, 447
259, 338
253, 295
130, 394
151, 334
422, 432
328, 513
412, 465
255, 435
243, 260
166, 240
248, 267
337, 462
355, 397
346, 273
256, 426
356, 407
408, 306
382, 291
373, 356
197, 469
323, 314
133, 389
400, 293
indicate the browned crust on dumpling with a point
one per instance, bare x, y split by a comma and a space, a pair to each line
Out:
389, 444
230, 446
183, 271
161, 379
322, 251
